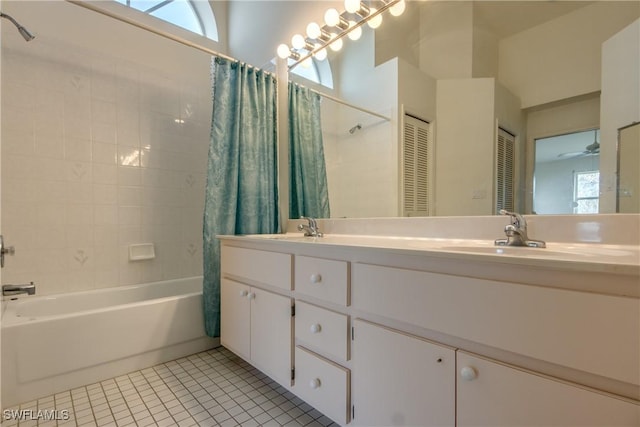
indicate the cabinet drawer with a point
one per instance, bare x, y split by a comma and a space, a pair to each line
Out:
554, 325
323, 278
322, 384
271, 268
325, 330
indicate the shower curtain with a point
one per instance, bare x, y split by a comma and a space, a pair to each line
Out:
241, 192
308, 190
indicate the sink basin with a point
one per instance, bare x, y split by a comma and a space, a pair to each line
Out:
552, 251
506, 250
290, 237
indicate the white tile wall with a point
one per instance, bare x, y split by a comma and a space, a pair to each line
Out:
364, 159
93, 160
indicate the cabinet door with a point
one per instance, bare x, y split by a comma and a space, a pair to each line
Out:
235, 317
271, 334
492, 394
400, 380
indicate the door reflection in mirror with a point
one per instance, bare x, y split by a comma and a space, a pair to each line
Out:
566, 173
628, 200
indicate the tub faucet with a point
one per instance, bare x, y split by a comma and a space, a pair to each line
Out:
10, 290
311, 229
516, 233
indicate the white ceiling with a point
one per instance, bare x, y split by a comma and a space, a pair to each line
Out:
569, 145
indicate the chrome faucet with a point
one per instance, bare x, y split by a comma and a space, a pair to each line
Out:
311, 229
10, 290
516, 233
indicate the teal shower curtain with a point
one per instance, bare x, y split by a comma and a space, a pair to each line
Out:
241, 193
308, 189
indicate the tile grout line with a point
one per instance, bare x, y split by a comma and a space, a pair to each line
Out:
172, 392
135, 387
190, 384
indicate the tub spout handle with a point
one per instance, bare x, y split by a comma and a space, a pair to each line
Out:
5, 250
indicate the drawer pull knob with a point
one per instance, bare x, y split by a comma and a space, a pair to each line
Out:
244, 293
251, 295
315, 328
314, 383
468, 373
316, 278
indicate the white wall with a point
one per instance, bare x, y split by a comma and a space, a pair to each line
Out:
93, 159
416, 91
465, 147
561, 58
620, 104
446, 39
362, 168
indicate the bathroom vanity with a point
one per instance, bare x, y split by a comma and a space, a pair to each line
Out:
402, 330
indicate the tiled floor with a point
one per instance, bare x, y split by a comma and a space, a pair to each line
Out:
213, 388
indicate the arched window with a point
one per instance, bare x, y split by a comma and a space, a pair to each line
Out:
317, 72
192, 15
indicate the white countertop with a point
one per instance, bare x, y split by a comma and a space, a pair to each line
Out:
585, 257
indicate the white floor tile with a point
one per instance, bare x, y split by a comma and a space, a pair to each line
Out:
212, 388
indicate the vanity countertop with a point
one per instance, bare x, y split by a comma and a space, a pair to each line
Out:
583, 257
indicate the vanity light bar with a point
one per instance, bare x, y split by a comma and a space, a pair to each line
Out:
303, 48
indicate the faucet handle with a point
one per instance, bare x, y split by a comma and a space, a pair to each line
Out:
312, 221
516, 219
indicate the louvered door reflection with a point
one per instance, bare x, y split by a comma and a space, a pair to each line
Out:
416, 174
505, 173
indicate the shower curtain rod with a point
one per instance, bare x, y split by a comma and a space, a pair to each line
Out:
88, 5
340, 101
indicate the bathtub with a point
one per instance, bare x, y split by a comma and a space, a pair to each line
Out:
59, 342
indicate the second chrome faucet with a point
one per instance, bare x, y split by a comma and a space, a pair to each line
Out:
311, 228
516, 233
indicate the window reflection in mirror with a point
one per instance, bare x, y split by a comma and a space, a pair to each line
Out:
566, 173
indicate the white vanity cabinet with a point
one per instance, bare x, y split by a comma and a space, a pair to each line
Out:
403, 338
256, 323
490, 393
401, 380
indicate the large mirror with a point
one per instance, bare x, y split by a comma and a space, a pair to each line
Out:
464, 91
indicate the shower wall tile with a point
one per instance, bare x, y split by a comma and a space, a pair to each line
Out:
99, 153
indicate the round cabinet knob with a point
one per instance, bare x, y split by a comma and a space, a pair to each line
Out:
314, 383
251, 295
244, 293
315, 328
316, 278
468, 373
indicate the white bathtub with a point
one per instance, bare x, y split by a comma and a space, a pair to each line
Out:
55, 343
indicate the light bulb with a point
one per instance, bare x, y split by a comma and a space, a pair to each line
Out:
283, 51
352, 6
376, 20
298, 42
313, 30
321, 55
355, 33
332, 17
398, 8
336, 45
